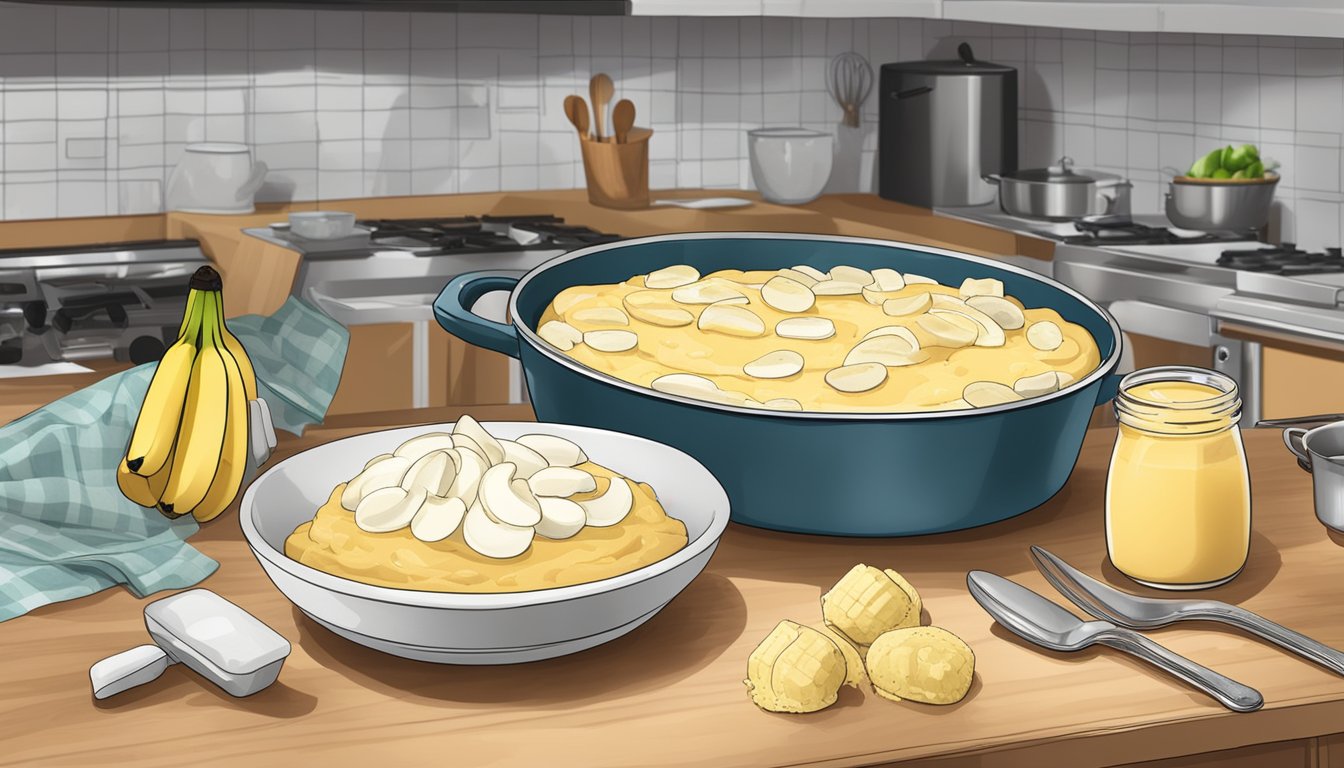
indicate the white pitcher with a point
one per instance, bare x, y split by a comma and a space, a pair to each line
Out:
215, 177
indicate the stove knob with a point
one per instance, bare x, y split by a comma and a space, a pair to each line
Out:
11, 352
146, 349
35, 314
117, 314
62, 321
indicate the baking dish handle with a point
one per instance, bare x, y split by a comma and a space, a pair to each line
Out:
453, 311
1110, 387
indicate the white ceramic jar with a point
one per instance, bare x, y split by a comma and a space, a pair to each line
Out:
790, 165
215, 177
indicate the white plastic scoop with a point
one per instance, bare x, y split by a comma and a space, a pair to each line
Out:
218, 640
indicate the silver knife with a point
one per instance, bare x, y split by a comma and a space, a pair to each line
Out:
1040, 621
1110, 604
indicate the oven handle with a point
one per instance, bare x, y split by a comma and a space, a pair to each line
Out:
1146, 318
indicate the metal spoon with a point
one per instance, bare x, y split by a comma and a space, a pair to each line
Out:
1040, 621
705, 203
622, 119
1109, 604
601, 89
576, 109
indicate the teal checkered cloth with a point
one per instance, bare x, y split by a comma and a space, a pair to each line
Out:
66, 531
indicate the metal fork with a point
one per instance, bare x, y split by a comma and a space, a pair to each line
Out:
1109, 604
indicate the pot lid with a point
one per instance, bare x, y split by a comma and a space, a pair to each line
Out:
1060, 173
966, 64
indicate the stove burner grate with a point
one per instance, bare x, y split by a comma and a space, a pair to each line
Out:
1284, 259
484, 234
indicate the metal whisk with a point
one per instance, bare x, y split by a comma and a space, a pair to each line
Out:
849, 82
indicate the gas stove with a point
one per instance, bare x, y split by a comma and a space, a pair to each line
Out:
1284, 259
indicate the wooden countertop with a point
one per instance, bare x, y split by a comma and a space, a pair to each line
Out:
670, 693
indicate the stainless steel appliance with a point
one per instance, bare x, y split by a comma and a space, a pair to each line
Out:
1241, 206
944, 126
390, 271
120, 301
1059, 193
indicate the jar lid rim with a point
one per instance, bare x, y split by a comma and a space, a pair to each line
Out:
1224, 386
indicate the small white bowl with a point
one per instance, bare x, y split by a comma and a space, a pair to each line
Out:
322, 225
790, 165
500, 628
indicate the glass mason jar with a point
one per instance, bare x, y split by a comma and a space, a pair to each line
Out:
1178, 495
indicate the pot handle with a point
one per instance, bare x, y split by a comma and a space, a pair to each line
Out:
991, 178
453, 311
1110, 387
1292, 437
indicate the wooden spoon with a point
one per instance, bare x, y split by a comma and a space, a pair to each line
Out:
601, 89
622, 119
576, 109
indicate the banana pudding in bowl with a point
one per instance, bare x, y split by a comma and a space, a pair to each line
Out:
799, 339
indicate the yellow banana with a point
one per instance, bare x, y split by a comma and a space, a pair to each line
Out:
160, 415
233, 457
200, 436
235, 348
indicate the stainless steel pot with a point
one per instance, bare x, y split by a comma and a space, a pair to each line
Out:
1227, 206
1057, 193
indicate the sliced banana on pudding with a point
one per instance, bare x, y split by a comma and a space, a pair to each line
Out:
731, 321
945, 330
656, 308
913, 279
779, 364
1045, 336
420, 445
611, 341
671, 277
560, 518
837, 288
983, 394
612, 506
388, 509
570, 298
437, 518
471, 468
433, 472
492, 538
783, 404
558, 451
561, 481
600, 316
1008, 315
809, 328
383, 474
1040, 384
812, 272
787, 295
907, 305
889, 350
710, 292
528, 461
560, 334
683, 384
989, 334
859, 377
472, 428
848, 274
895, 330
986, 286
506, 502
798, 276
885, 279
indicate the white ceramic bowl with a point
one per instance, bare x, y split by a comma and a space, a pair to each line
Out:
322, 225
790, 165
503, 628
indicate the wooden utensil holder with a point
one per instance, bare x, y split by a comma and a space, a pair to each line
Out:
618, 174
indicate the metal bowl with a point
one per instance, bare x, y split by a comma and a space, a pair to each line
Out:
1221, 206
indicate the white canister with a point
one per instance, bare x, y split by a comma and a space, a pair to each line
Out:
790, 165
215, 177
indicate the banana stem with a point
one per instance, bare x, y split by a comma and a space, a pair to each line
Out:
192, 327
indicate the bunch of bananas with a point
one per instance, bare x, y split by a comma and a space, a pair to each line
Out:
189, 448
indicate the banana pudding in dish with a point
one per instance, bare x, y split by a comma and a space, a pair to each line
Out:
798, 339
467, 512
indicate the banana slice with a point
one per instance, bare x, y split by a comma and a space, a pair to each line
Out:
600, 316
906, 305
493, 539
913, 279
561, 481
560, 334
570, 298
464, 443
388, 509
433, 472
887, 280
611, 341
987, 286
947, 332
712, 291
683, 384
837, 288
471, 467
612, 506
848, 274
860, 377
671, 277
1045, 336
376, 459
656, 308
779, 364
1004, 312
983, 394
730, 320
472, 428
420, 445
528, 461
1035, 386
437, 518
816, 274
809, 328
894, 330
783, 404
560, 518
505, 502
799, 277
787, 295
558, 451
384, 474
877, 297
891, 351
988, 333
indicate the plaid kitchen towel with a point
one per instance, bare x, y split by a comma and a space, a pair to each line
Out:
66, 531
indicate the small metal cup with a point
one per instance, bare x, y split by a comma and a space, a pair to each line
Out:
1320, 451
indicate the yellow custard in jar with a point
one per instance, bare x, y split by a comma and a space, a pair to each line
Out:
1178, 495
